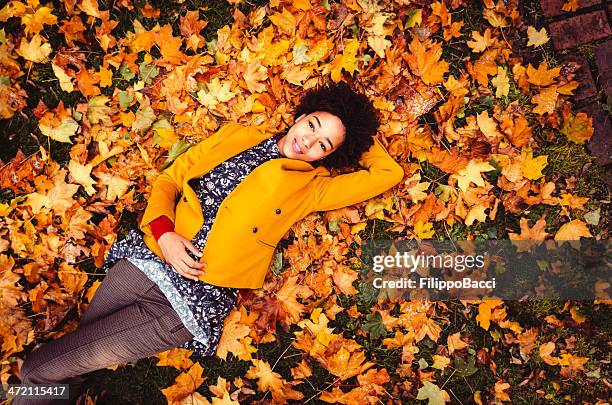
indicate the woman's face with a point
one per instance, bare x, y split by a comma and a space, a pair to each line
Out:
312, 137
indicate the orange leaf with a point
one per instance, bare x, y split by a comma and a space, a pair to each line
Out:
426, 63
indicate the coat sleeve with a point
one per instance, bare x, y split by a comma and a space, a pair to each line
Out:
168, 186
380, 173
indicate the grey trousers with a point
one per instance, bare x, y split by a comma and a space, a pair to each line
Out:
129, 318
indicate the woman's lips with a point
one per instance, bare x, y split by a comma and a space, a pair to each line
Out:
295, 146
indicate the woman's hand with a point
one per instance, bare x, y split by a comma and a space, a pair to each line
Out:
173, 247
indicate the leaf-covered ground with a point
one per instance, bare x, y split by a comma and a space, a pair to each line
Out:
96, 97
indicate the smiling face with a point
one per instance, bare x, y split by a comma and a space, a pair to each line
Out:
312, 137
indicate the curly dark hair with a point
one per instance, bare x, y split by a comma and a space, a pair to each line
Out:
355, 110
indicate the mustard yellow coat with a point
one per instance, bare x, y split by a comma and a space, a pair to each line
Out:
259, 211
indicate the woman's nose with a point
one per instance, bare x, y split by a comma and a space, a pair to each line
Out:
308, 141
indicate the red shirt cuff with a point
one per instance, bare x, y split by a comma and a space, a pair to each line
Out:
160, 226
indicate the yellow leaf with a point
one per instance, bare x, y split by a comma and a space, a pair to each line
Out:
501, 83
440, 362
577, 316
34, 23
253, 75
476, 213
578, 128
485, 309
65, 81
233, 333
546, 350
532, 167
500, 391
573, 230
536, 38
546, 101
302, 4
424, 230
346, 60
542, 76
472, 174
62, 132
487, 125
285, 21
106, 76
480, 42
116, 186
82, 175
35, 50
494, 18
454, 342
185, 384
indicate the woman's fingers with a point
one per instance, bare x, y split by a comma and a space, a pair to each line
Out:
192, 248
185, 271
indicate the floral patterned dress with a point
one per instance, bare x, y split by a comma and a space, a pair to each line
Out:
202, 307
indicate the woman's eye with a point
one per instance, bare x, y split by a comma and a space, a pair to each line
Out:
323, 147
310, 125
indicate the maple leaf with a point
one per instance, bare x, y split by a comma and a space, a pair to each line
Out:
347, 60
480, 42
454, 342
546, 101
65, 81
433, 394
472, 174
34, 23
82, 175
487, 125
500, 390
267, 380
485, 310
545, 352
484, 67
577, 128
536, 38
61, 131
501, 83
233, 332
542, 76
105, 76
185, 384
285, 21
537, 232
573, 230
426, 63
253, 75
97, 110
169, 46
34, 50
343, 277
176, 357
439, 9
532, 167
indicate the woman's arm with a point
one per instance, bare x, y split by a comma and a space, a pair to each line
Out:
380, 173
169, 184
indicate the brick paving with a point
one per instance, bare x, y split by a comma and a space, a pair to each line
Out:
553, 8
580, 29
588, 27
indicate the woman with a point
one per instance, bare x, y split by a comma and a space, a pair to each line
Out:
210, 228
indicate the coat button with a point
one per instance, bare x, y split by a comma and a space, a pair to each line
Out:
278, 211
254, 229
185, 199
